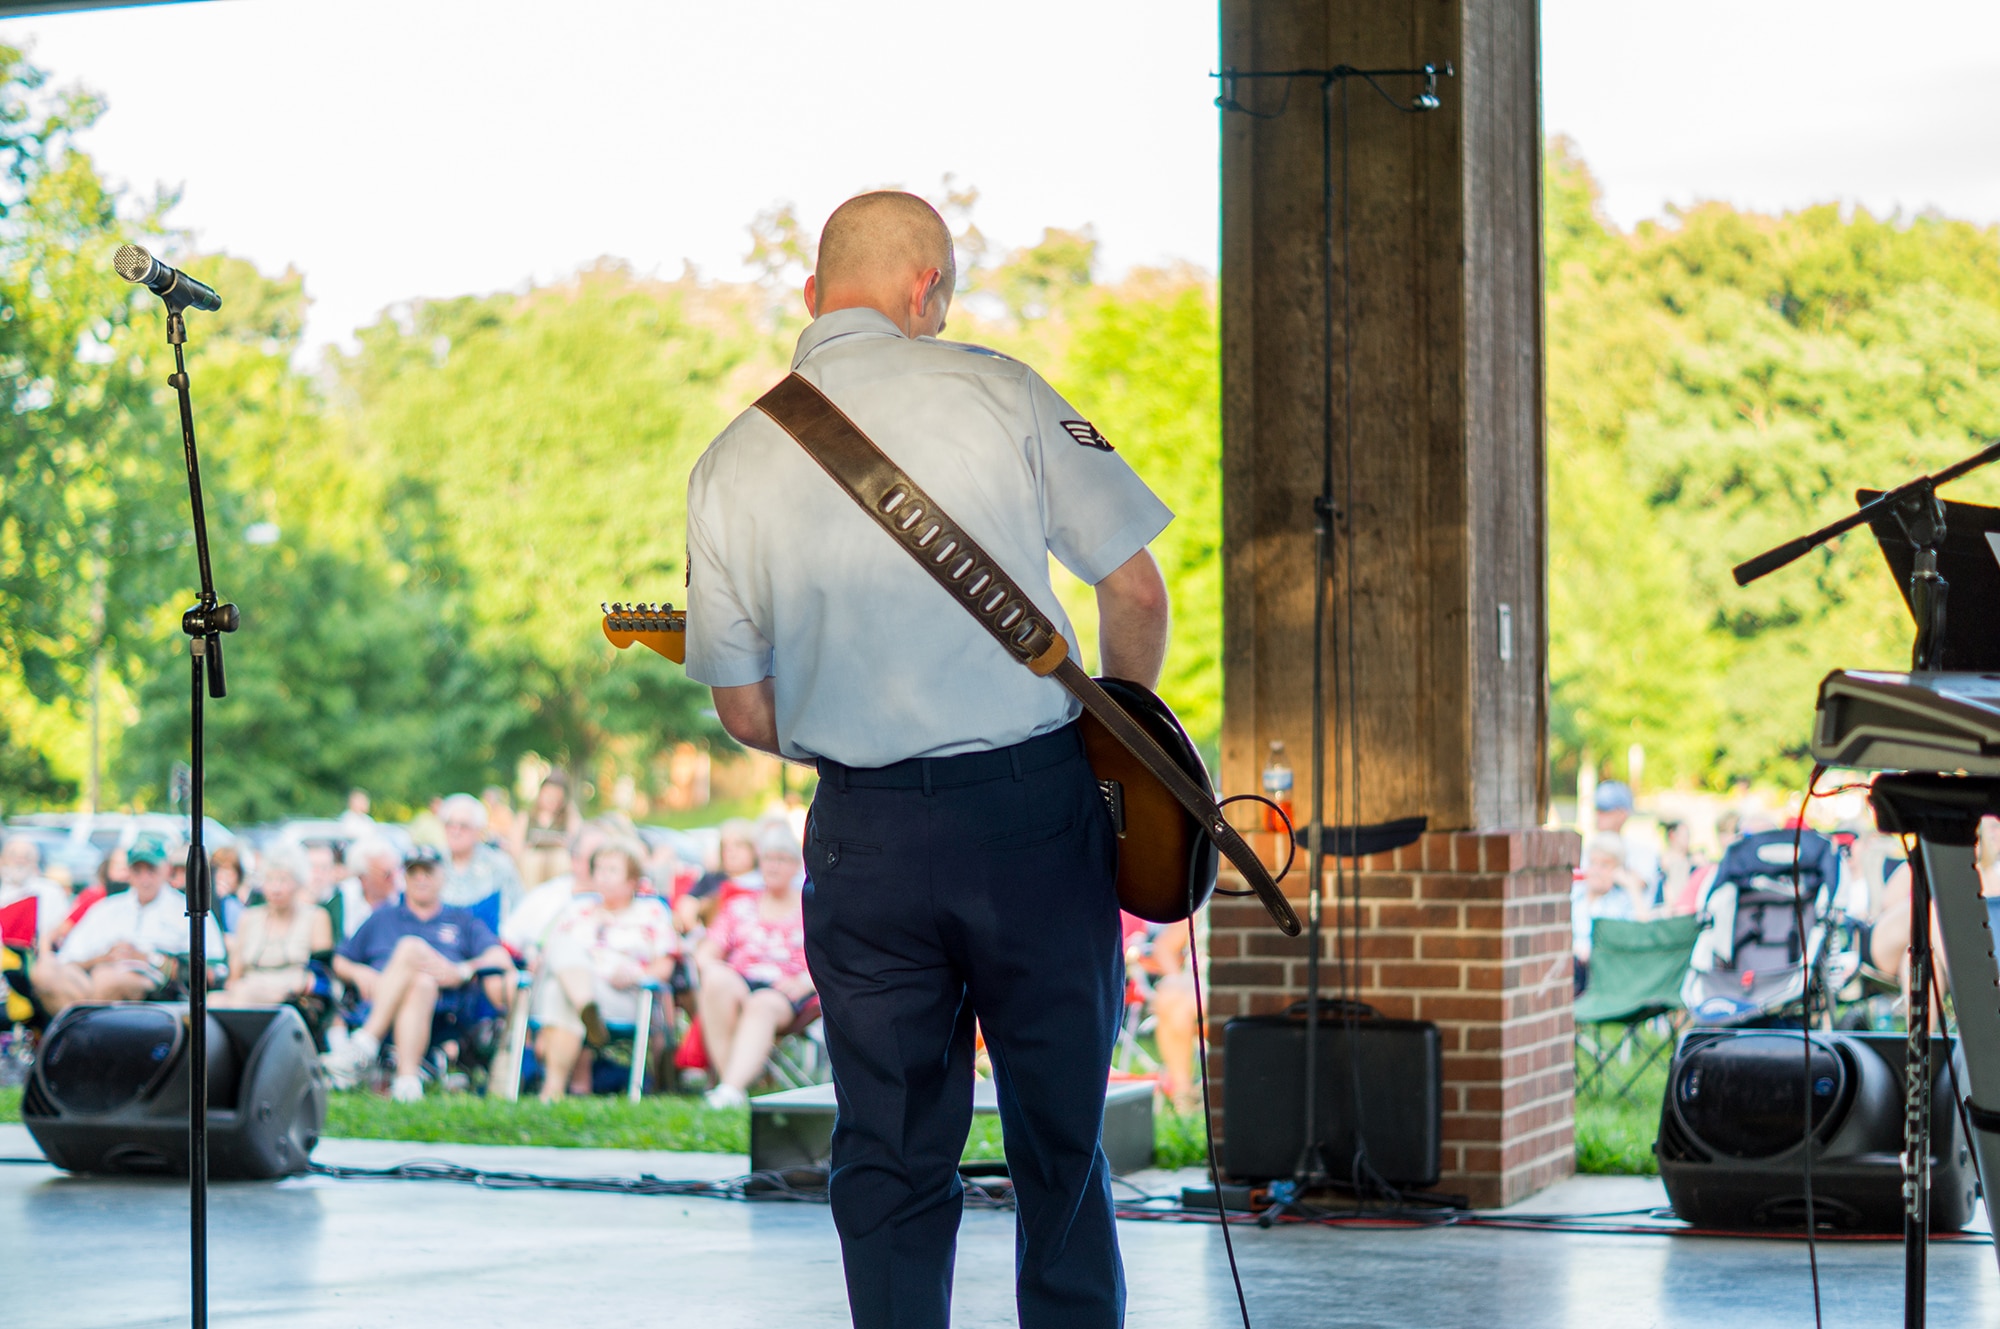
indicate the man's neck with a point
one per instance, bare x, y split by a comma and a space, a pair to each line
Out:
425, 912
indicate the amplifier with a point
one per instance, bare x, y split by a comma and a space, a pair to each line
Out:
1380, 1089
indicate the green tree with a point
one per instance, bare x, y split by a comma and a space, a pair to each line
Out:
1717, 384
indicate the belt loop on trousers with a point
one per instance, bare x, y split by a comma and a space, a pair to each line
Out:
1014, 758
927, 777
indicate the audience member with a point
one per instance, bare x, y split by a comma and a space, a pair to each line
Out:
1605, 888
131, 946
21, 879
225, 877
735, 874
1614, 809
543, 839
376, 881
357, 819
1684, 874
602, 949
527, 929
1164, 959
475, 870
754, 985
276, 940
329, 870
409, 962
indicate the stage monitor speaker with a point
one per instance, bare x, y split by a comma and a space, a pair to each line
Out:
1732, 1148
109, 1091
1380, 1085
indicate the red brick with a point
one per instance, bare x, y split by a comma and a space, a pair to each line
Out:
1421, 976
1438, 886
1460, 946
1273, 942
1246, 974
1468, 1067
1461, 1008
1465, 852
1388, 886
1388, 947
1417, 915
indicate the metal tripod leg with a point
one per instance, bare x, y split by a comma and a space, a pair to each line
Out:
1967, 934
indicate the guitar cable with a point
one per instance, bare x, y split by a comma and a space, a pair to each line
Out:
1201, 1040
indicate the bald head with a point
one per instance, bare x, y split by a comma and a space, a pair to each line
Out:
888, 251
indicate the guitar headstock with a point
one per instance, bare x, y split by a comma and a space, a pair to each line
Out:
658, 627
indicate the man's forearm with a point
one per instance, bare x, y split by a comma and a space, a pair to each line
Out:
750, 715
1132, 620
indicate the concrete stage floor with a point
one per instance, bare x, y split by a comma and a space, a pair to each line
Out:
87, 1253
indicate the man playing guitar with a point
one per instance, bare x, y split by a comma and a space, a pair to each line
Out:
961, 858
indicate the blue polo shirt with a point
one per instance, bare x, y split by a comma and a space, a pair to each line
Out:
456, 934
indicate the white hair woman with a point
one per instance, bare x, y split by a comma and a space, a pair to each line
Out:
595, 960
275, 941
754, 984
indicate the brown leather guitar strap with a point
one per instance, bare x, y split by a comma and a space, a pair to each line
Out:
957, 563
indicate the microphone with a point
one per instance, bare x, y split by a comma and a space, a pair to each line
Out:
179, 290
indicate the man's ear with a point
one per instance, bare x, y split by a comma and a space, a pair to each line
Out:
812, 291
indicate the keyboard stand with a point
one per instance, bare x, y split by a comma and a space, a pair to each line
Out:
1943, 812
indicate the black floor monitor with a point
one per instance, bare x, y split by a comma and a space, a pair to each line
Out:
1969, 559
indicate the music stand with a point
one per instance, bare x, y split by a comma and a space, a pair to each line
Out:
1968, 558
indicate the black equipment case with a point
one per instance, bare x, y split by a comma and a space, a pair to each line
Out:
1383, 1076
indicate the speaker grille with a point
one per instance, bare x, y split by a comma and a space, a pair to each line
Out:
104, 1057
1740, 1096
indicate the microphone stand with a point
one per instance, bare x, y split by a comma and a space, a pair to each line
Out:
204, 625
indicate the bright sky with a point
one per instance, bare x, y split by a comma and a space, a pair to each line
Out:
438, 147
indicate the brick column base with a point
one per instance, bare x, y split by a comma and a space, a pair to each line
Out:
1469, 930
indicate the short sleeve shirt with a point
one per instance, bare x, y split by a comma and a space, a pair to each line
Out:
870, 661
456, 934
760, 950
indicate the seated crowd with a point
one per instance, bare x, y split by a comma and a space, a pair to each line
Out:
395, 957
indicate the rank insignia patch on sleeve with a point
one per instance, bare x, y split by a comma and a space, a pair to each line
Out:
1086, 433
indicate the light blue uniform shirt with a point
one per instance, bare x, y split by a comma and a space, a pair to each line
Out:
871, 661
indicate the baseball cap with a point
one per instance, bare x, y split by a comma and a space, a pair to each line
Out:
147, 849
423, 855
1614, 796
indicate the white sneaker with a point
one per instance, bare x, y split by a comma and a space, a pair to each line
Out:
725, 1096
346, 1064
407, 1089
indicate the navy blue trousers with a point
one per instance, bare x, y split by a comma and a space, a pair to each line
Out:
945, 890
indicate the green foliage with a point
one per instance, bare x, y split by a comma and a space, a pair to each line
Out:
1717, 385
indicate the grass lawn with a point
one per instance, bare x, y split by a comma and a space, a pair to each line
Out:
1616, 1135
659, 1122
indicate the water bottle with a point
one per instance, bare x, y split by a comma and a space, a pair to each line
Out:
1278, 788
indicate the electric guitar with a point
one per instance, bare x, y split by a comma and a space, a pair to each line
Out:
1166, 863
657, 627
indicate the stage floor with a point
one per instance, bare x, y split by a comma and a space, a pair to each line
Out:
89, 1253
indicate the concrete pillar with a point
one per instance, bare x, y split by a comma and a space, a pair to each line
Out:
1441, 551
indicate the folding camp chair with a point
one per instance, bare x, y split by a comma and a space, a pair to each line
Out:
1636, 972
506, 1082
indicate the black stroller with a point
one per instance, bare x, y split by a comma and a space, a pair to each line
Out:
1752, 957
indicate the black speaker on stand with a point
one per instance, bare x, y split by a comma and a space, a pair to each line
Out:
1732, 1132
109, 1091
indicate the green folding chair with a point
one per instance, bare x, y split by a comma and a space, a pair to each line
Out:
1636, 971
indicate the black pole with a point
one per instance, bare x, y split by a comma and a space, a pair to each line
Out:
1310, 1169
1917, 1102
203, 624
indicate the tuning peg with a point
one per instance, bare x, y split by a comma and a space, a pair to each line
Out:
603, 606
